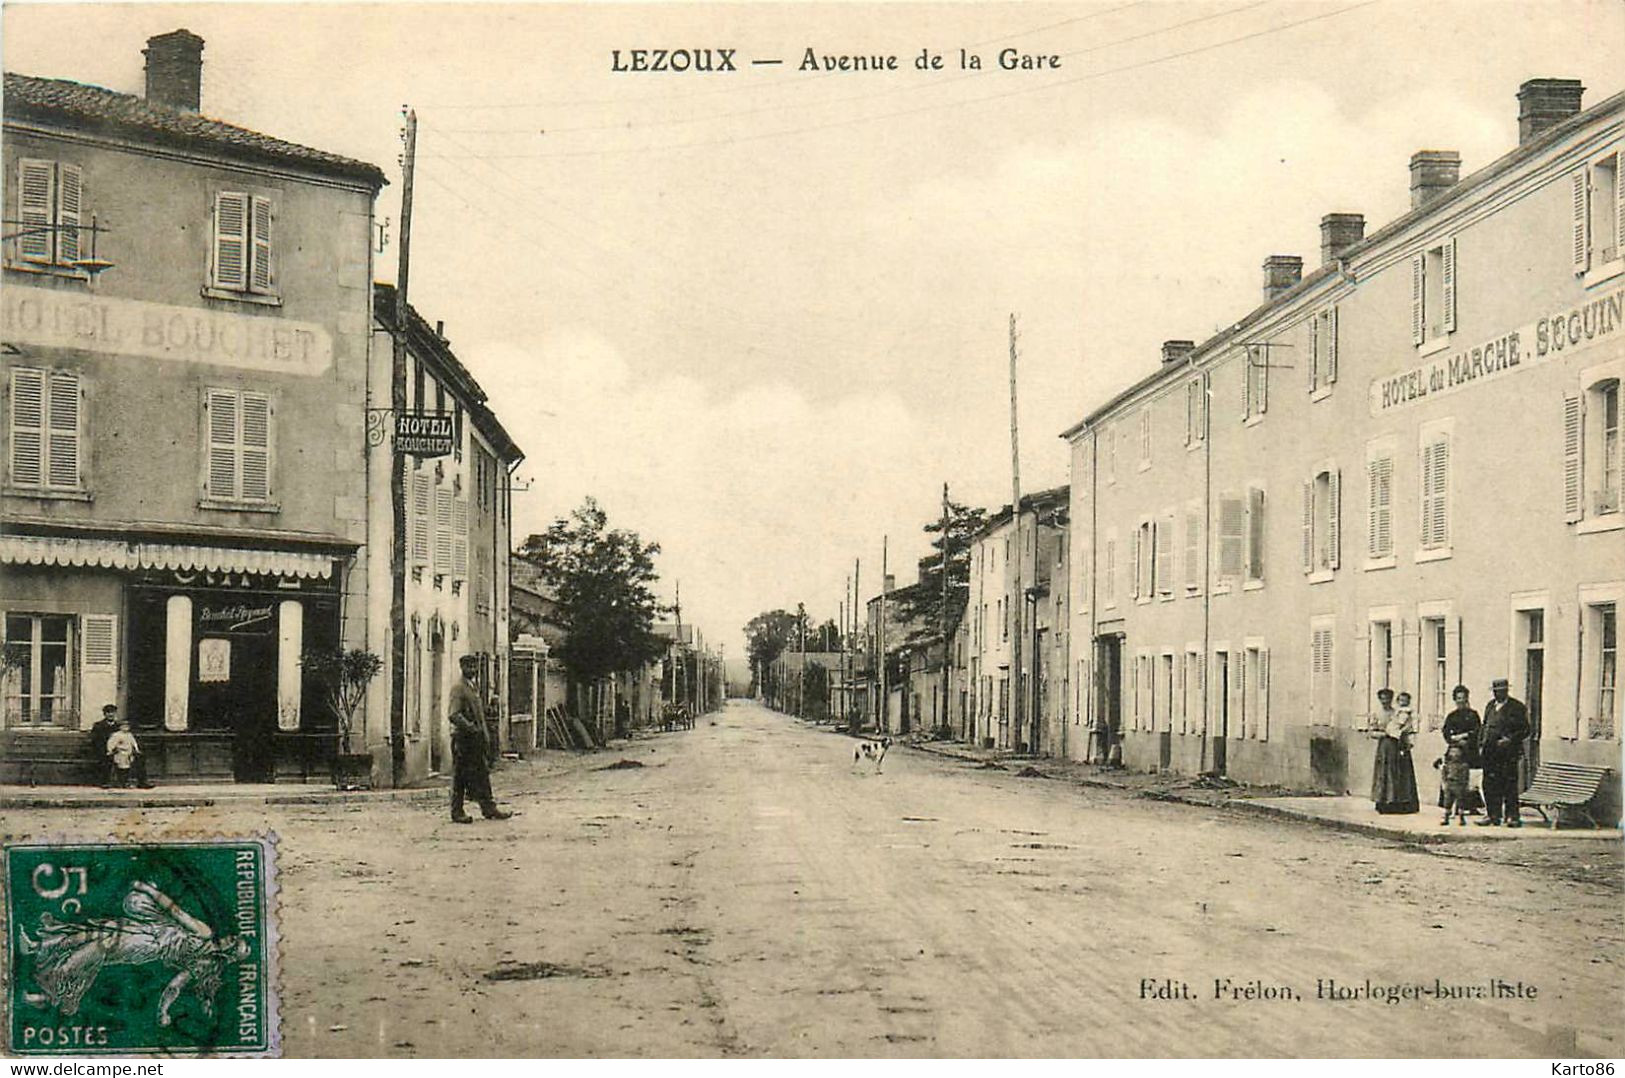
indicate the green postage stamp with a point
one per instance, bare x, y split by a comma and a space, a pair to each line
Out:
142, 948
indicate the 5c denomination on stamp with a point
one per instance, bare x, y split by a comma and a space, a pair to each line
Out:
163, 948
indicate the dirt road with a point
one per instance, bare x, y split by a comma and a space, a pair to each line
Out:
748, 891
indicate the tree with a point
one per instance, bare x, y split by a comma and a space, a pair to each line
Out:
604, 579
924, 602
766, 637
344, 676
827, 637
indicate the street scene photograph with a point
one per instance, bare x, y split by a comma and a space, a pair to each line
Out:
778, 531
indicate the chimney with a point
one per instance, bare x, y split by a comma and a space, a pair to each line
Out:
1433, 172
1339, 232
1281, 272
1177, 351
1544, 103
891, 583
175, 70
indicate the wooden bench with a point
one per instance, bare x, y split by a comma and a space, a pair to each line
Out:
56, 757
1560, 786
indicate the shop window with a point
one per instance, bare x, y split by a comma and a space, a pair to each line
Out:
242, 262
50, 229
46, 432
1433, 293
39, 679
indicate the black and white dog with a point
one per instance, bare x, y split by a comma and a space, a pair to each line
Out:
872, 750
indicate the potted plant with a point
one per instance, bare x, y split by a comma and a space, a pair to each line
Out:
344, 675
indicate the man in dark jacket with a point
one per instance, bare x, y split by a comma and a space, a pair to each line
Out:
1506, 725
471, 771
98, 743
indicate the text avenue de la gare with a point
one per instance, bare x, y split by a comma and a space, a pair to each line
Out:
714, 61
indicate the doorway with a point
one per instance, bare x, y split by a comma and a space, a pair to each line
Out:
1534, 678
1109, 664
437, 704
1221, 709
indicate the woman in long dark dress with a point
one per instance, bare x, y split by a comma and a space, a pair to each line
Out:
1393, 778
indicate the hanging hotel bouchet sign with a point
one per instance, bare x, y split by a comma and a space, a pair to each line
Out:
424, 434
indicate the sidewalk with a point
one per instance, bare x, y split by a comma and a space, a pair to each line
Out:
1353, 814
542, 765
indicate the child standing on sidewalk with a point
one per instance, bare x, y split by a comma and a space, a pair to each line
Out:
123, 748
1454, 782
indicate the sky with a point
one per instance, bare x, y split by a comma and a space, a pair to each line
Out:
763, 315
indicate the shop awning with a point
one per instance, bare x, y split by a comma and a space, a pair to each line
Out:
114, 554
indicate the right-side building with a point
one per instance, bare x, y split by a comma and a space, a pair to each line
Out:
1402, 469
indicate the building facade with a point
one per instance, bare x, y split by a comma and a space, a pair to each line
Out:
1400, 470
1019, 560
185, 319
458, 534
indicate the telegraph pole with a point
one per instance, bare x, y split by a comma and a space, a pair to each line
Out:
1020, 604
857, 583
944, 716
397, 471
881, 715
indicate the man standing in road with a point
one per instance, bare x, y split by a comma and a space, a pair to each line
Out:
471, 770
1506, 724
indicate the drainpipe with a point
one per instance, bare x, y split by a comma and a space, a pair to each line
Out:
1207, 560
1094, 577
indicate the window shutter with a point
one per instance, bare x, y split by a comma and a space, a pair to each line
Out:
1232, 535
1201, 406
1331, 345
1264, 384
442, 531
1238, 690
1619, 205
27, 427
99, 642
69, 203
459, 537
1418, 327
1308, 526
1246, 382
1193, 547
1379, 524
1255, 522
421, 517
256, 447
261, 280
220, 408
1441, 492
1334, 517
1262, 724
1190, 412
36, 184
1578, 219
1111, 570
62, 433
1165, 555
1314, 352
1427, 496
1135, 591
231, 240
1573, 501
1448, 284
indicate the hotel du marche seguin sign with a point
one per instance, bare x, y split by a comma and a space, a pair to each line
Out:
1560, 332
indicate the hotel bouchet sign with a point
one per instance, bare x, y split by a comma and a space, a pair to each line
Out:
424, 434
46, 318
1564, 331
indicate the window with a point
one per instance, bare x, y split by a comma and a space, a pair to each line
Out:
1255, 535
46, 430
242, 261
1195, 411
1591, 433
1164, 531
1255, 382
1598, 221
1434, 526
239, 461
1599, 688
1379, 477
1255, 692
1322, 352
1322, 673
442, 531
1433, 293
39, 690
1144, 560
1434, 691
1145, 437
1380, 672
1322, 523
1191, 718
1165, 693
51, 220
